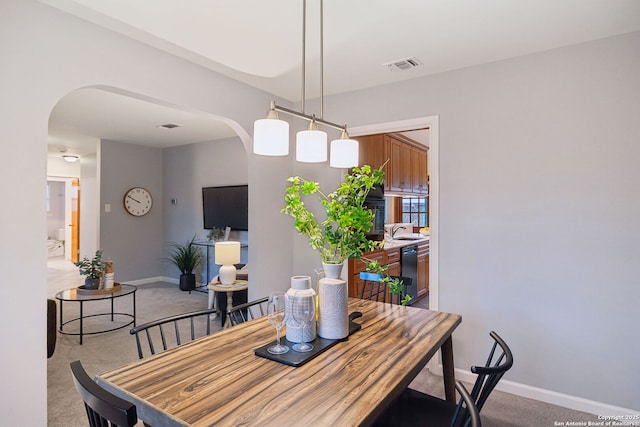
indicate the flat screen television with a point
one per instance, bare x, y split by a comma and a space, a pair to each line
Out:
226, 207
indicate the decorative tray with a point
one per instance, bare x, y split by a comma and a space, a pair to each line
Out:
80, 290
294, 358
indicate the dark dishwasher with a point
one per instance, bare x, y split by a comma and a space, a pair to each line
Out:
409, 268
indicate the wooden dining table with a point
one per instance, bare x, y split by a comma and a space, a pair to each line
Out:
219, 381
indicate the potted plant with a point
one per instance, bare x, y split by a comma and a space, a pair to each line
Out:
216, 233
186, 257
92, 268
342, 234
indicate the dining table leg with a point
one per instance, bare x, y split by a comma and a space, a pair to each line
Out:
448, 370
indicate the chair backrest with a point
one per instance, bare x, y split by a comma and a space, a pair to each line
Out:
103, 408
247, 311
374, 287
500, 360
172, 331
466, 413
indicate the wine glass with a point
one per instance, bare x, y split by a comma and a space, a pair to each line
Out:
277, 317
303, 311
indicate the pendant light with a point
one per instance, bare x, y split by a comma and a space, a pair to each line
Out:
271, 135
311, 144
344, 152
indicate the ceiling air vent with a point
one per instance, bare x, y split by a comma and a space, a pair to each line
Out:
403, 64
169, 126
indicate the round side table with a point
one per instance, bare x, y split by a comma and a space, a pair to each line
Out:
238, 285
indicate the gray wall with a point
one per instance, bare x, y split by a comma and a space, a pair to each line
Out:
538, 230
55, 216
45, 55
134, 244
538, 209
89, 240
187, 169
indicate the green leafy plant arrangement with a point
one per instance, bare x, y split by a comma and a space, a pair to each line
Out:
184, 256
93, 267
394, 284
216, 233
342, 234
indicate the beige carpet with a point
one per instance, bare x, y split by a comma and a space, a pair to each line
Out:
103, 352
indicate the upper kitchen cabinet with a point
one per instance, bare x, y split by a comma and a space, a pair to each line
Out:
419, 171
374, 151
406, 172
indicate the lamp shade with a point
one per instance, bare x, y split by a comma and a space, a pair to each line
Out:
271, 137
344, 153
311, 146
227, 253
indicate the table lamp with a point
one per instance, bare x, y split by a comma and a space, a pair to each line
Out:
227, 254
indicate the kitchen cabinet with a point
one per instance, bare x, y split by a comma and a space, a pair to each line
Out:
419, 171
390, 257
423, 269
406, 169
374, 151
400, 174
393, 262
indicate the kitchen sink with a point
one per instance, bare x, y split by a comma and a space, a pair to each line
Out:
414, 236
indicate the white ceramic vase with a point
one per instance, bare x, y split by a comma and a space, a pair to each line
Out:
333, 319
295, 332
332, 271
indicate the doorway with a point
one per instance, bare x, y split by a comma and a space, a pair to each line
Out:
63, 217
432, 123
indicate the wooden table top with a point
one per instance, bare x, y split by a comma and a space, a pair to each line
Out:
218, 380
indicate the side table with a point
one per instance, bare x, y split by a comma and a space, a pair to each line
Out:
238, 285
77, 295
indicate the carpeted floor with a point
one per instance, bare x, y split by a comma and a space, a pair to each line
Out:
103, 352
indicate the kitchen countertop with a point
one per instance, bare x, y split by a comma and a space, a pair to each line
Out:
398, 243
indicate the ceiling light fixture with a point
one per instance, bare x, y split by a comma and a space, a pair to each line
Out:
271, 135
168, 126
69, 158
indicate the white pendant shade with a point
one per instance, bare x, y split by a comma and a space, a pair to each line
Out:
344, 153
311, 146
271, 137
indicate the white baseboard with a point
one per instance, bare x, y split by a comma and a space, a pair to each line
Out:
152, 280
543, 395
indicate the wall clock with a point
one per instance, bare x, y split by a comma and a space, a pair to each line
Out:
137, 201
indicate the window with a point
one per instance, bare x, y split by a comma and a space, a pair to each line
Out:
416, 211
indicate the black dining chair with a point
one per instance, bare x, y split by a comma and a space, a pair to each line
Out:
52, 327
374, 287
103, 408
172, 331
414, 408
248, 311
408, 410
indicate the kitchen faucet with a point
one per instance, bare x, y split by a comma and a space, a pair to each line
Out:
395, 228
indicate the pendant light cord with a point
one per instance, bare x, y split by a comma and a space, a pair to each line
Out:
321, 61
304, 52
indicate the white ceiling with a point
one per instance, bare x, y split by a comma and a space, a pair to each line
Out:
259, 43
